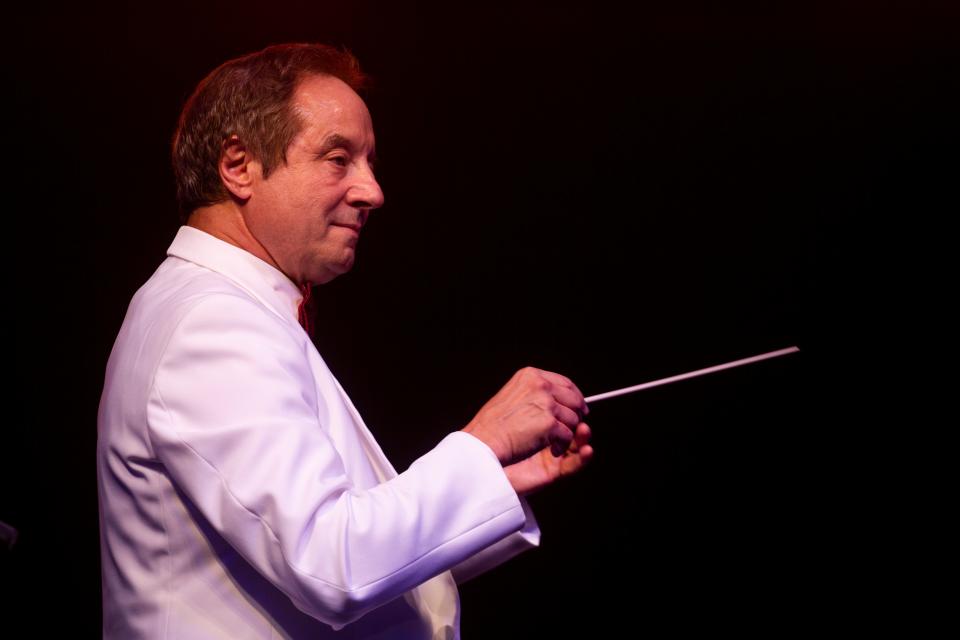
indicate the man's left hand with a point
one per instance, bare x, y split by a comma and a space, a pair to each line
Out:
543, 468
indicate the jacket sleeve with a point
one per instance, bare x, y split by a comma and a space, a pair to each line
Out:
233, 418
502, 550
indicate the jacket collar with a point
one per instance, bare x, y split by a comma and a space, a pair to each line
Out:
263, 281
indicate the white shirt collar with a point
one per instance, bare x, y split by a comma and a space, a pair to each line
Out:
263, 281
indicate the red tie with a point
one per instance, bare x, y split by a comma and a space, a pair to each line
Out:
303, 313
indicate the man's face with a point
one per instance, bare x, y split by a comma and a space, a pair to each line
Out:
308, 213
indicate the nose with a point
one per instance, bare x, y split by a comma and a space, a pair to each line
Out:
365, 193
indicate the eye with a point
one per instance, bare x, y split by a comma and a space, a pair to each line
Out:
340, 161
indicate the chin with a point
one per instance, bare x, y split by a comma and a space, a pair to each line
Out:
332, 271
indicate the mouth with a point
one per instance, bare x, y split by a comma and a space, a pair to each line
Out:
355, 227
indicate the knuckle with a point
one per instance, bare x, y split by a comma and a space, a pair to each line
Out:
547, 422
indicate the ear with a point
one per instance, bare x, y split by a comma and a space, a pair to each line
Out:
237, 168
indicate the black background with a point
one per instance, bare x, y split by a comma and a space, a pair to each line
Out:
615, 193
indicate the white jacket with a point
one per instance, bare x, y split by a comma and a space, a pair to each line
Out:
241, 494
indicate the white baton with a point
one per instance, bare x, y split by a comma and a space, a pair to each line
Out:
692, 374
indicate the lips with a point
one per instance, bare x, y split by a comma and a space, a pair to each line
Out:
355, 227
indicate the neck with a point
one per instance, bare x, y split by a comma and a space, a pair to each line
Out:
224, 220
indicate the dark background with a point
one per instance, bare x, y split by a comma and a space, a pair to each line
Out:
617, 194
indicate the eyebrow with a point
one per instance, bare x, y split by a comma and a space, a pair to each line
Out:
335, 140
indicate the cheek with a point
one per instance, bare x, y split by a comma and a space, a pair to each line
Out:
309, 201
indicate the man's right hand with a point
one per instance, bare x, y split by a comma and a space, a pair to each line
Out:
534, 409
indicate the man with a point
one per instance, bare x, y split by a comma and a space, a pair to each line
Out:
241, 494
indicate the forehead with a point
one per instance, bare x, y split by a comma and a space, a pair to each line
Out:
326, 104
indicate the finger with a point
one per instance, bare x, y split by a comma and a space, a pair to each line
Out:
568, 397
585, 454
574, 460
565, 391
560, 437
562, 381
581, 438
565, 415
582, 434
